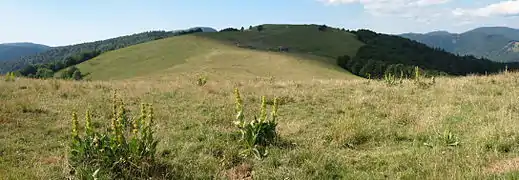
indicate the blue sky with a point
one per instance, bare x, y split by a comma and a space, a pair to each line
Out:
64, 22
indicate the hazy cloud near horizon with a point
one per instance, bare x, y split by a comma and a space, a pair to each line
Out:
389, 7
504, 8
500, 8
457, 12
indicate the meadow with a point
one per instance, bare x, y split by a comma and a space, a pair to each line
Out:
458, 128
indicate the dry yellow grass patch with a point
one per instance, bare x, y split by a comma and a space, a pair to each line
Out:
504, 166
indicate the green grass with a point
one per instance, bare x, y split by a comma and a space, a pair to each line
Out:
359, 129
192, 54
312, 54
300, 39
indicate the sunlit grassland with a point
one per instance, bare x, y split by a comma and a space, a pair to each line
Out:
329, 128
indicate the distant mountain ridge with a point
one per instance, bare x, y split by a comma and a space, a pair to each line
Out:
499, 44
509, 33
10, 51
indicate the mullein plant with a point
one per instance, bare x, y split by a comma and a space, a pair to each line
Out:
201, 81
9, 76
123, 152
390, 79
259, 132
417, 73
418, 79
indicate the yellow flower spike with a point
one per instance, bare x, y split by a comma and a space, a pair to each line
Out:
138, 122
239, 108
263, 113
239, 101
120, 116
274, 109
88, 118
119, 125
114, 103
74, 125
150, 115
114, 125
114, 112
416, 72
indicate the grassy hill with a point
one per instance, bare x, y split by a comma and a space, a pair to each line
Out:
489, 42
62, 53
214, 53
302, 39
10, 51
198, 56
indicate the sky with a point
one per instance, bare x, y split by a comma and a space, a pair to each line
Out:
65, 22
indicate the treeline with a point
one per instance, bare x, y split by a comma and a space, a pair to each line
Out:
230, 29
63, 53
47, 70
388, 54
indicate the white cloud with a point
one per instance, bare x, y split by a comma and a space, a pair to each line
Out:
388, 7
396, 16
504, 8
419, 11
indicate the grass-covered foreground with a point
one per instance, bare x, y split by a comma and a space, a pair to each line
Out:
459, 128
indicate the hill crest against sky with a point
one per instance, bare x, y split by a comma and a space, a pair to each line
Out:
12, 51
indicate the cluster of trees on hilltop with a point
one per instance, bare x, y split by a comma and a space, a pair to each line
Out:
58, 54
47, 70
230, 29
385, 54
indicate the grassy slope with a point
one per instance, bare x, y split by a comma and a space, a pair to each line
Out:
300, 39
185, 55
357, 129
312, 53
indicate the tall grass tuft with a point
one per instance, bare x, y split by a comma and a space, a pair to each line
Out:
260, 132
127, 151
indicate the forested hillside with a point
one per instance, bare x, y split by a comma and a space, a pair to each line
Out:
10, 51
384, 54
59, 54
